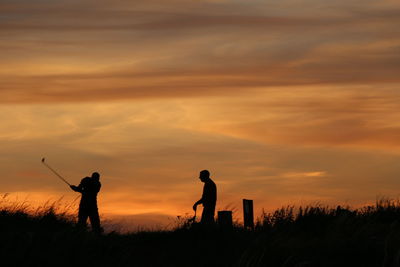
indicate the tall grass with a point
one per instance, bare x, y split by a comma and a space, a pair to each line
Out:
313, 235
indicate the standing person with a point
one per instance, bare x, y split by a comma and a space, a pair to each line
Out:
208, 199
89, 187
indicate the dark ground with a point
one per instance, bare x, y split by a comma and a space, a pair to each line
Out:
311, 236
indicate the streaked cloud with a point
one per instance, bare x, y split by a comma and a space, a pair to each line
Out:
304, 174
149, 154
54, 51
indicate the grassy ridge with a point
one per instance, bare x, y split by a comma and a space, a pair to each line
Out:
305, 236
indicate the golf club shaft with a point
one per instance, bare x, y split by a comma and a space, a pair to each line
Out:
194, 217
59, 176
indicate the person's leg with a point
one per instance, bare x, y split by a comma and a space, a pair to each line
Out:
82, 216
207, 217
95, 221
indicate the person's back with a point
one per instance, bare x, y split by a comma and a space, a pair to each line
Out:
90, 187
209, 193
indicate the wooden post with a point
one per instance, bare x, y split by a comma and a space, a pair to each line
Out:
225, 218
248, 215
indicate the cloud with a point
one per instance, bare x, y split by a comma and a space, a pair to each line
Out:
364, 116
64, 53
149, 153
304, 174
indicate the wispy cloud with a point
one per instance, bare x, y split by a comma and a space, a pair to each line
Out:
64, 52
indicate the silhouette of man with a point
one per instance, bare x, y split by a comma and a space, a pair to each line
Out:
89, 187
208, 199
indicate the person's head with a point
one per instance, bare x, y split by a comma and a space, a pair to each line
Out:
96, 176
204, 175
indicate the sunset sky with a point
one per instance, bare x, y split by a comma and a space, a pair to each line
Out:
285, 102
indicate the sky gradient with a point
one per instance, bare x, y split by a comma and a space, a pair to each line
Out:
285, 102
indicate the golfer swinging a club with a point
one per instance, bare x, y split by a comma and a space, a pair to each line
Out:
208, 199
89, 187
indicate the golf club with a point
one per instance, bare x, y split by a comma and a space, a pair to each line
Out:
192, 220
59, 176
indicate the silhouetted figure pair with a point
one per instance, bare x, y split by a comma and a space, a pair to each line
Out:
89, 187
208, 199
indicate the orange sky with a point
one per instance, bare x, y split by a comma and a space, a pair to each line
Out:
285, 102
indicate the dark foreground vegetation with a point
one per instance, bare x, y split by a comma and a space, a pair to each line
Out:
308, 236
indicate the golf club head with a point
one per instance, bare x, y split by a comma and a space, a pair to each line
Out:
191, 220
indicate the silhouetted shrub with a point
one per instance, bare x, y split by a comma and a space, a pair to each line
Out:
291, 236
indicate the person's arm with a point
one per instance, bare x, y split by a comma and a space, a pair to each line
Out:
75, 188
78, 188
200, 201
